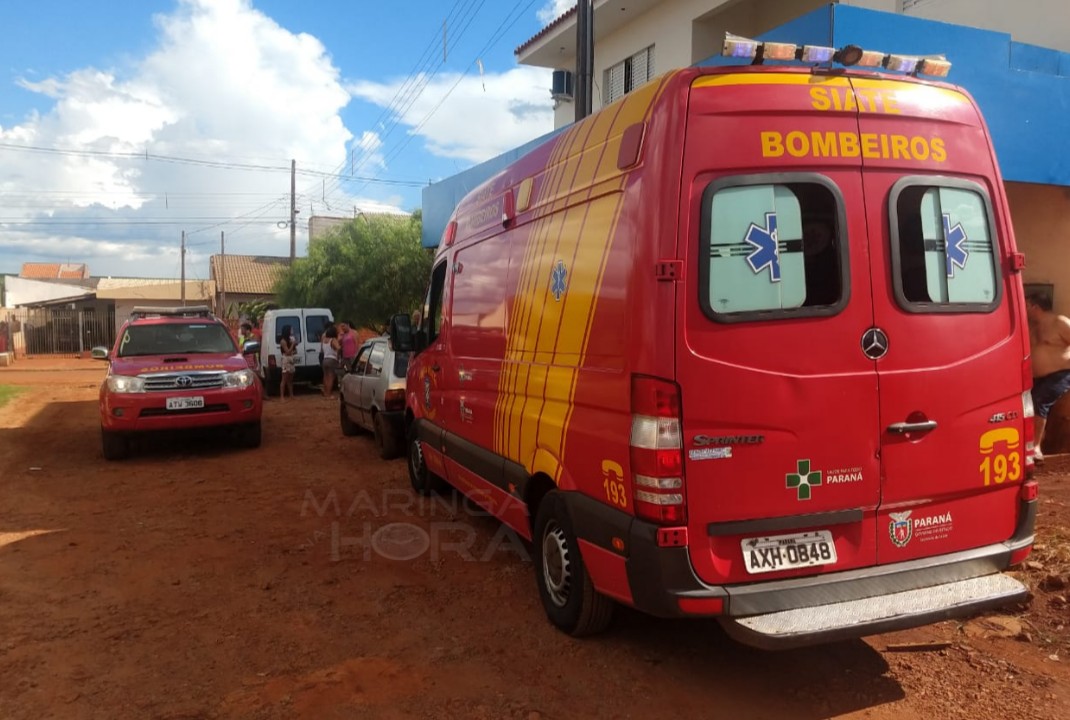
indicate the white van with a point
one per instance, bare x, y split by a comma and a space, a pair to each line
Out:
306, 326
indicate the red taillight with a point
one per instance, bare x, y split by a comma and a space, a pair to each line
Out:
701, 606
394, 400
657, 452
1019, 556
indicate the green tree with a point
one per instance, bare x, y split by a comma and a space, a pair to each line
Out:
364, 271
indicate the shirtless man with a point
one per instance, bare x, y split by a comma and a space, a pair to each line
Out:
1049, 335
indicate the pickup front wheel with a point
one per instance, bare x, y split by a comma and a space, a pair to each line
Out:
116, 445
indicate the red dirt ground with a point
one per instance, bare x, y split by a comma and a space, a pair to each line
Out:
200, 581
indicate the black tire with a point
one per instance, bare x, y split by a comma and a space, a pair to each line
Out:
116, 446
424, 482
349, 428
385, 439
568, 597
250, 435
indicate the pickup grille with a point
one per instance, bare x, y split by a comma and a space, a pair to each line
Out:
184, 381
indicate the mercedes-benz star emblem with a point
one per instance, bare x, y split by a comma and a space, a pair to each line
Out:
184, 381
874, 343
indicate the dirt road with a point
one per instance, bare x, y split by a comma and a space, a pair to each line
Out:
304, 580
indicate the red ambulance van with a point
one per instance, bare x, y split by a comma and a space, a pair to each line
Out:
750, 344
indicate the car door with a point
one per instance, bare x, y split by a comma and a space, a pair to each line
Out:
371, 393
426, 385
294, 323
352, 384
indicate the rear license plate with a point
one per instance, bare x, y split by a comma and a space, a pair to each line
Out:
786, 552
184, 403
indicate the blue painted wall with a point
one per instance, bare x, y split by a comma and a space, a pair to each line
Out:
1023, 91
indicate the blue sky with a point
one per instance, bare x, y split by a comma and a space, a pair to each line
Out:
124, 123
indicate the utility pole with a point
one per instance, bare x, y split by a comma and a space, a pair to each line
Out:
182, 282
222, 274
584, 58
293, 210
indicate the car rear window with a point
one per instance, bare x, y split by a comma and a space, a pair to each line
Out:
772, 245
175, 339
944, 255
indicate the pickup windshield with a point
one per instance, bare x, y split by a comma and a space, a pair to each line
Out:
175, 339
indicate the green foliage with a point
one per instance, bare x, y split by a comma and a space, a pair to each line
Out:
7, 392
364, 271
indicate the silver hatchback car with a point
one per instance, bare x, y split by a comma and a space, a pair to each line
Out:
373, 396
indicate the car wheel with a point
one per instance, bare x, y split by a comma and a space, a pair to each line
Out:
273, 382
568, 597
250, 435
349, 428
385, 439
424, 482
116, 446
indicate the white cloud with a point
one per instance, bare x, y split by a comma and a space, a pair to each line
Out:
555, 9
224, 83
480, 117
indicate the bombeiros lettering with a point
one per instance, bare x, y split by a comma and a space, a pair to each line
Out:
844, 144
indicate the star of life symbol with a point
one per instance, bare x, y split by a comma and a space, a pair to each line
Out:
803, 479
955, 239
766, 250
900, 529
557, 280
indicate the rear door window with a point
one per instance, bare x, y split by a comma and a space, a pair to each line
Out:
315, 325
291, 321
773, 246
944, 256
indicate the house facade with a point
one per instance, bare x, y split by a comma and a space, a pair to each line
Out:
242, 279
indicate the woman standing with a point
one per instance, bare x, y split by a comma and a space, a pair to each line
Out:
329, 346
288, 349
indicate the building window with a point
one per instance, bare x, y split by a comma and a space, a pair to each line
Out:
622, 78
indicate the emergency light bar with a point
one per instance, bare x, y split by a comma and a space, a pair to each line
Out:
759, 51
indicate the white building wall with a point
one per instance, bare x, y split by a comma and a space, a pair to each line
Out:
21, 291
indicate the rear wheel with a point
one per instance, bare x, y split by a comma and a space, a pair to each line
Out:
568, 597
349, 428
273, 381
385, 438
424, 482
116, 446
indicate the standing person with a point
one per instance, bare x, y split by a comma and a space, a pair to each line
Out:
348, 341
288, 348
245, 334
1049, 336
330, 348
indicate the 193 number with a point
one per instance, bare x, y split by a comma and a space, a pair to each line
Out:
998, 469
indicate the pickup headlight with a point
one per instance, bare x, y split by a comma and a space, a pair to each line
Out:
125, 384
240, 379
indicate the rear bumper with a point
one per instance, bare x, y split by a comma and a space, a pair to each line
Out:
659, 578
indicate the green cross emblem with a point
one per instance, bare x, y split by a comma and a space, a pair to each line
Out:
803, 479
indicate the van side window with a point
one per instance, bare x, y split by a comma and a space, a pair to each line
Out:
943, 245
295, 326
314, 326
434, 301
773, 247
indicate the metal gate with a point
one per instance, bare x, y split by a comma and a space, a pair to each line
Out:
50, 331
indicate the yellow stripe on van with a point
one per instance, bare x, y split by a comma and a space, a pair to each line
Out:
760, 79
547, 338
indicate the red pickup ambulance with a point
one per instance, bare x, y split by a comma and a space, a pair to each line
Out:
176, 369
748, 343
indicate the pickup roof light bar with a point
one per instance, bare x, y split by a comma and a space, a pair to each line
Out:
142, 311
758, 51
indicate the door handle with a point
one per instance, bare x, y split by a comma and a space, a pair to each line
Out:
905, 427
436, 367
